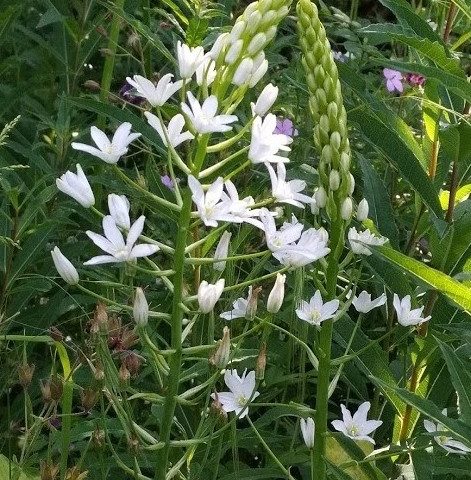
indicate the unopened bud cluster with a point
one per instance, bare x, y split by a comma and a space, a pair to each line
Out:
328, 111
241, 50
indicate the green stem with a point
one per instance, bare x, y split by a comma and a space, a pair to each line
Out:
176, 338
325, 345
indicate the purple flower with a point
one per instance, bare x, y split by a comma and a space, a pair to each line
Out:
167, 181
415, 79
126, 93
393, 80
285, 126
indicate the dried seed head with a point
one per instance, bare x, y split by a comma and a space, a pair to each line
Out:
98, 438
88, 398
261, 362
47, 470
25, 374
220, 357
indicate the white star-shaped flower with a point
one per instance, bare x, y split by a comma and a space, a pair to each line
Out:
109, 152
407, 316
316, 311
364, 304
77, 187
203, 117
264, 144
173, 130
113, 243
357, 427
287, 192
359, 241
286, 235
158, 94
240, 209
242, 390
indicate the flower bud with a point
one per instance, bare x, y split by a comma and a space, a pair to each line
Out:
76, 186
258, 73
237, 30
347, 209
119, 210
345, 162
140, 308
308, 430
362, 210
208, 294
314, 207
234, 51
334, 180
261, 362
222, 251
252, 299
277, 294
351, 185
320, 197
265, 100
257, 43
64, 267
218, 46
220, 357
243, 72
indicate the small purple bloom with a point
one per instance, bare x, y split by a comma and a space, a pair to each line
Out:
415, 79
125, 92
285, 126
167, 181
393, 80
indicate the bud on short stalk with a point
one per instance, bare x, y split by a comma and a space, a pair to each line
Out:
334, 180
140, 308
243, 72
222, 251
362, 210
64, 267
208, 294
320, 197
220, 357
277, 294
265, 101
347, 209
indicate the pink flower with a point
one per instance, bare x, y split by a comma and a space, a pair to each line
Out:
415, 79
393, 80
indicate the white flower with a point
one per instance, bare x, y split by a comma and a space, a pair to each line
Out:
242, 390
316, 311
364, 304
362, 210
203, 117
450, 445
113, 243
233, 52
77, 187
286, 235
206, 72
311, 246
264, 144
265, 101
119, 209
239, 308
109, 152
189, 59
219, 45
208, 294
277, 294
308, 429
287, 192
405, 315
174, 129
357, 427
158, 94
64, 267
222, 250
359, 240
240, 210
243, 72
140, 308
209, 205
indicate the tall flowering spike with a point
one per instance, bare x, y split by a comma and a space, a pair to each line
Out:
252, 31
326, 104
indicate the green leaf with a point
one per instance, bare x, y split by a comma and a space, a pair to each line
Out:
376, 193
460, 430
7, 467
435, 279
408, 18
390, 141
460, 377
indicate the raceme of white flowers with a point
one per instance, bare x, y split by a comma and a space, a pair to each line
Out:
204, 112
